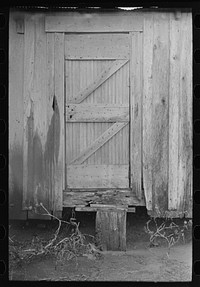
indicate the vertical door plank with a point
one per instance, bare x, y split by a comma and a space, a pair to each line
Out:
35, 109
50, 68
174, 95
59, 101
135, 108
29, 52
50, 179
147, 109
16, 117
160, 112
185, 118
40, 112
39, 80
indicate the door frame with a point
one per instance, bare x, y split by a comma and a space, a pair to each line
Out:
135, 123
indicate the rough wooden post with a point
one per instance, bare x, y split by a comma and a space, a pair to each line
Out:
111, 228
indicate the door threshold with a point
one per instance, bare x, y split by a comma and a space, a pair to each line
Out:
96, 189
86, 197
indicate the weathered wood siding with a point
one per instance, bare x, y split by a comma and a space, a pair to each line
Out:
95, 22
16, 75
167, 113
138, 99
36, 97
136, 92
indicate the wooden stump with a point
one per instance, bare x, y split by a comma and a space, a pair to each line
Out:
111, 229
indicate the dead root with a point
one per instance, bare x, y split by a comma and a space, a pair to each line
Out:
63, 248
171, 233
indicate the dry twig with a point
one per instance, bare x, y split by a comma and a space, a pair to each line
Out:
68, 247
176, 232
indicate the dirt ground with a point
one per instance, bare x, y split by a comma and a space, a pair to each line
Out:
141, 262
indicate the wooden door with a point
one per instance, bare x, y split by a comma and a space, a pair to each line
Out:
97, 110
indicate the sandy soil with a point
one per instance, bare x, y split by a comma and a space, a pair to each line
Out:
138, 263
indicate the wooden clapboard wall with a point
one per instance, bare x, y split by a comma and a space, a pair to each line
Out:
36, 102
160, 100
167, 113
16, 75
43, 115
